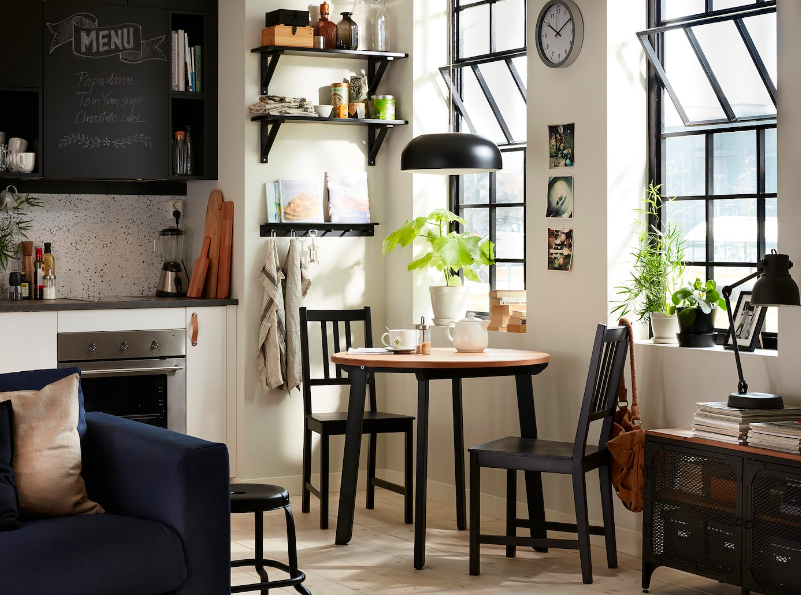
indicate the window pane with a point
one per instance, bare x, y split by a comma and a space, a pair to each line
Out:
721, 4
688, 79
684, 166
509, 100
735, 162
693, 273
727, 276
478, 108
673, 9
763, 31
691, 217
510, 275
771, 224
672, 122
510, 232
734, 69
770, 160
478, 298
475, 189
735, 230
474, 31
511, 180
510, 25
521, 65
477, 221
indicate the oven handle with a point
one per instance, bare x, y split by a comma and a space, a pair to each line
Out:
132, 371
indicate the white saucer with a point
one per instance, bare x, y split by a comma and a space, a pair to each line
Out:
441, 321
401, 351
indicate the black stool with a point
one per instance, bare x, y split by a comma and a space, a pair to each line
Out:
258, 499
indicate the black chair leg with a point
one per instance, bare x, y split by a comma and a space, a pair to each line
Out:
408, 497
511, 509
306, 494
371, 454
324, 481
475, 513
292, 548
260, 551
608, 507
582, 525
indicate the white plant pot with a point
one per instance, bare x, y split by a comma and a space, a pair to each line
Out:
665, 328
449, 303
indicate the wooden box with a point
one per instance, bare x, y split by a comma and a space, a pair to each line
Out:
281, 35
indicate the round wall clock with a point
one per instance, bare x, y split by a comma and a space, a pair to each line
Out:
560, 33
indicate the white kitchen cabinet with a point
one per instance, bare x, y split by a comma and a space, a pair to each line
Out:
207, 385
29, 341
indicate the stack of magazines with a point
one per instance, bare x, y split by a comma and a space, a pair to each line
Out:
718, 421
777, 435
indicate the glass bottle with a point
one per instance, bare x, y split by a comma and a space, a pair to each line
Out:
38, 276
179, 154
423, 337
347, 33
189, 153
380, 26
49, 260
326, 28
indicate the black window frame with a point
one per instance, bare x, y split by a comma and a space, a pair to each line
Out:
659, 91
462, 121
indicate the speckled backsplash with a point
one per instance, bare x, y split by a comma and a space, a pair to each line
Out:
103, 244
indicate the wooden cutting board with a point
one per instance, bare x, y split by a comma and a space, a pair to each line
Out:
199, 271
212, 231
226, 246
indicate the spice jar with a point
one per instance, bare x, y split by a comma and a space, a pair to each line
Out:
423, 337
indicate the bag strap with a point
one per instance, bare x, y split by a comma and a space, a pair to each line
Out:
635, 407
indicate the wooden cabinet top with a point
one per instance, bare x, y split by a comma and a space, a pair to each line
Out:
686, 435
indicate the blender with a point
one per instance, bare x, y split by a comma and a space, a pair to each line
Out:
173, 281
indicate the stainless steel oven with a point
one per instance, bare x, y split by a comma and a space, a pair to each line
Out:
139, 375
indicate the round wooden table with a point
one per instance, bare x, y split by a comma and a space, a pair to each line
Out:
442, 364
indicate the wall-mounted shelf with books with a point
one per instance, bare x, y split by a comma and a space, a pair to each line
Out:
334, 230
376, 130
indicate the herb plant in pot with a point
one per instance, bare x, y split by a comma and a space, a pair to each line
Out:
449, 252
657, 270
695, 306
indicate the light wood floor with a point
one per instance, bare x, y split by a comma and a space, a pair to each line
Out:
379, 558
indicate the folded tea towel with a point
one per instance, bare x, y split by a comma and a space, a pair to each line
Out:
272, 330
278, 105
296, 286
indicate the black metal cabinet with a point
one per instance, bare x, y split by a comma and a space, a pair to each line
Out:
21, 54
112, 2
730, 514
199, 5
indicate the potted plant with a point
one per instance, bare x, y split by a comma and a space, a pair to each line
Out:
449, 253
657, 271
695, 307
14, 223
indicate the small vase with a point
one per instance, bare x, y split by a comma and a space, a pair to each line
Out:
347, 33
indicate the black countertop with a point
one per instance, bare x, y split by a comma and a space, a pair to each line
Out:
116, 303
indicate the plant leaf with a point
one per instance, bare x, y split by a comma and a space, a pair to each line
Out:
706, 307
687, 316
722, 305
421, 262
471, 275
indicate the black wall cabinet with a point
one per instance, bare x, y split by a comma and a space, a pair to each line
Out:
21, 44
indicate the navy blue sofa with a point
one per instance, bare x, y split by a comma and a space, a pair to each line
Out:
167, 524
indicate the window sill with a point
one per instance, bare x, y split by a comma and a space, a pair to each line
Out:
715, 349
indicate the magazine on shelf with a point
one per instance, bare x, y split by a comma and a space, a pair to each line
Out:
348, 200
301, 201
273, 197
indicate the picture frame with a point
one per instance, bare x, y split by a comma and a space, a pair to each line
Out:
748, 322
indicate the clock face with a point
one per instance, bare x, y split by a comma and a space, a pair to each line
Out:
556, 33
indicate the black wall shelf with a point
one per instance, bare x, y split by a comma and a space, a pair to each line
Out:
334, 230
376, 130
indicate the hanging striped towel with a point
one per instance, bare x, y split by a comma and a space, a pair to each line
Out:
297, 285
272, 330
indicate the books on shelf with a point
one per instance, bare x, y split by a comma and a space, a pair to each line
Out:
186, 63
777, 435
508, 310
718, 421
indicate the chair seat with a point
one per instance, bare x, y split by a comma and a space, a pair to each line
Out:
526, 449
374, 421
257, 497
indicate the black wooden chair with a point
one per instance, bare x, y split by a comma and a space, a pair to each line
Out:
333, 424
545, 456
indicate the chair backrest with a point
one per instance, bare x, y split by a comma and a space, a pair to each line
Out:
603, 381
334, 318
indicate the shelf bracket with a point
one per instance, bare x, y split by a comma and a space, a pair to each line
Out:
269, 130
375, 72
268, 64
375, 137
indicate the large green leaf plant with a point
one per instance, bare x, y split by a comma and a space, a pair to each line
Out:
15, 225
449, 251
696, 296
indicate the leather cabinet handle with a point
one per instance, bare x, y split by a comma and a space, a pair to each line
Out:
194, 329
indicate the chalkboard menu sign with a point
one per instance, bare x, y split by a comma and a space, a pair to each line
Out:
106, 74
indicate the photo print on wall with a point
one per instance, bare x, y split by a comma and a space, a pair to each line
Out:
561, 145
560, 197
560, 249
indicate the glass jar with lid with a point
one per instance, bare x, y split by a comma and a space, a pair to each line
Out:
423, 337
347, 33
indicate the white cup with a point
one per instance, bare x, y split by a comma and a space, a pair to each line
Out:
26, 162
324, 111
11, 162
17, 145
400, 339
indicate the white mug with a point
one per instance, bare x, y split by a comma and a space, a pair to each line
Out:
26, 162
400, 339
17, 145
11, 162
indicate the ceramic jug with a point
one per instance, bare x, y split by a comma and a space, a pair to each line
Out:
469, 334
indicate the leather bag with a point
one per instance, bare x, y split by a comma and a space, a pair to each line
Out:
627, 445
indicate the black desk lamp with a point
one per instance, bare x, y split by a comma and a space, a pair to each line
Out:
774, 287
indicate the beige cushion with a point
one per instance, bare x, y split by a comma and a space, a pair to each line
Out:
47, 451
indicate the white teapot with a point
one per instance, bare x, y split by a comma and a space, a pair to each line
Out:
469, 334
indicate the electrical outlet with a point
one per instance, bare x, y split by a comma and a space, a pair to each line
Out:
175, 205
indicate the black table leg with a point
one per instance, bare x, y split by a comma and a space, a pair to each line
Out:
422, 474
350, 460
528, 429
458, 455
